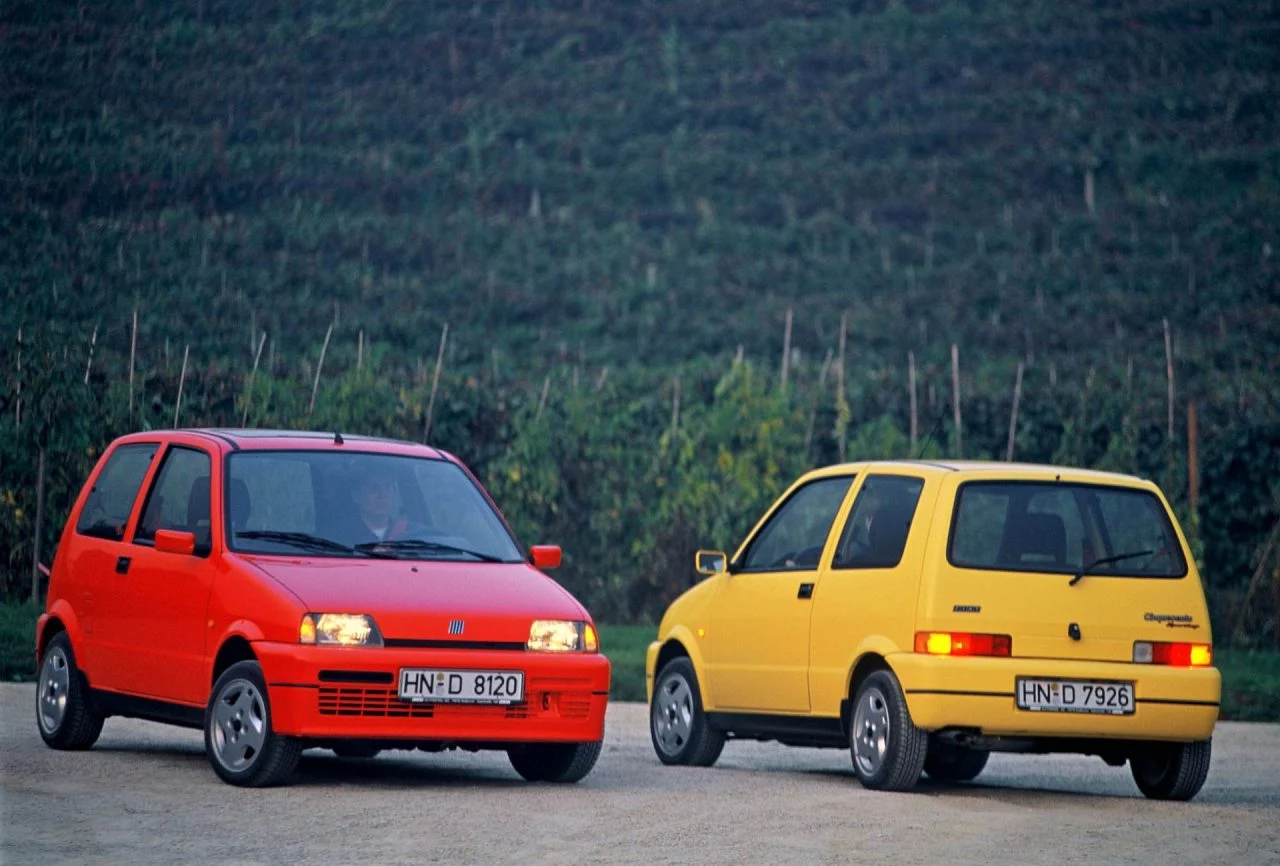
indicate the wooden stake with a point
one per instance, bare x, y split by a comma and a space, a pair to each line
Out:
604, 374
359, 350
1013, 415
844, 325
955, 398
182, 381
133, 354
1168, 369
248, 392
915, 409
435, 382
35, 546
18, 397
826, 368
542, 401
786, 351
840, 392
1193, 462
675, 407
315, 385
93, 342
1275, 603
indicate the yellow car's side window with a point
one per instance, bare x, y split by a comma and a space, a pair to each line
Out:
876, 532
795, 535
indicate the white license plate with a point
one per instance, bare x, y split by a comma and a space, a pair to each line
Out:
428, 685
1074, 696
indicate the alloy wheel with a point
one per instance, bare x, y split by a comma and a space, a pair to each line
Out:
870, 731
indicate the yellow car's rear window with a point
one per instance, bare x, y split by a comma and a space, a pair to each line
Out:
1063, 528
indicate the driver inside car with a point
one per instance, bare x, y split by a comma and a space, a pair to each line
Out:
377, 500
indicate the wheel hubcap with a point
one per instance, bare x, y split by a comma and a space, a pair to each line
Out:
869, 732
239, 723
55, 680
672, 714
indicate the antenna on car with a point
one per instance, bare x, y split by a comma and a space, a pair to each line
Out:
929, 439
337, 438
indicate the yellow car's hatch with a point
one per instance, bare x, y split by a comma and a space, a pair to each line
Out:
1067, 569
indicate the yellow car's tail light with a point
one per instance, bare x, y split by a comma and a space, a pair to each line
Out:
1180, 655
958, 643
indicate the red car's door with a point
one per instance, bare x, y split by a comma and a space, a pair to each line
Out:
165, 594
96, 552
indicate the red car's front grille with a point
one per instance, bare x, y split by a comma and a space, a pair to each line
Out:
383, 703
575, 705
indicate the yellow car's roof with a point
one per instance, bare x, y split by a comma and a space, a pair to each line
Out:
986, 469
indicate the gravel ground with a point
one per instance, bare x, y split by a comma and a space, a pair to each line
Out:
146, 795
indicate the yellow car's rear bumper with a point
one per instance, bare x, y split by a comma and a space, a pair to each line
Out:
1179, 704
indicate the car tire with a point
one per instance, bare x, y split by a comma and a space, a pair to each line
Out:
1172, 771
238, 738
355, 750
677, 725
65, 713
563, 763
888, 750
946, 762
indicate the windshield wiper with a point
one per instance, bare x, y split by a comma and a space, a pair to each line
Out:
297, 539
416, 545
1106, 560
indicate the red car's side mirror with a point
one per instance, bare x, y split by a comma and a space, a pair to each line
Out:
173, 541
545, 556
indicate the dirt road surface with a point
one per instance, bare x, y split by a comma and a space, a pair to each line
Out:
146, 795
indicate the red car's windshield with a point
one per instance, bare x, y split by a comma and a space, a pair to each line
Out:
360, 505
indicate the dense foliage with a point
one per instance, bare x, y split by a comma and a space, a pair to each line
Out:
603, 199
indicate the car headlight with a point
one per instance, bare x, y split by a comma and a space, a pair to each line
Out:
562, 636
339, 629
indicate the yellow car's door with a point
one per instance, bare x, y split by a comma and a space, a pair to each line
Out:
758, 640
868, 596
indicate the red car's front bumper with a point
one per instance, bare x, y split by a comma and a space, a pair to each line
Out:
340, 693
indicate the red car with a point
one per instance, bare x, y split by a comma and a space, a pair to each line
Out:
286, 591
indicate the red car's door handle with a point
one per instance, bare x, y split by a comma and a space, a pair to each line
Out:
806, 591
122, 565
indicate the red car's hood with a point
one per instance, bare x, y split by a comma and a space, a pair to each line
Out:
419, 600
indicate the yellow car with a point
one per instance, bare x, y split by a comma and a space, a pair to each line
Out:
925, 614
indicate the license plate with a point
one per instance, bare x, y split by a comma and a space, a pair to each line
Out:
428, 685
1075, 696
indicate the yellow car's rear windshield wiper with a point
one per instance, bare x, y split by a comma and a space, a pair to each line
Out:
1106, 560
297, 539
416, 545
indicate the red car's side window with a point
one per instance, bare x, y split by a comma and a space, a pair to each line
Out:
179, 498
106, 511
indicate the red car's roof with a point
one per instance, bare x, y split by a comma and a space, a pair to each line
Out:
301, 440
